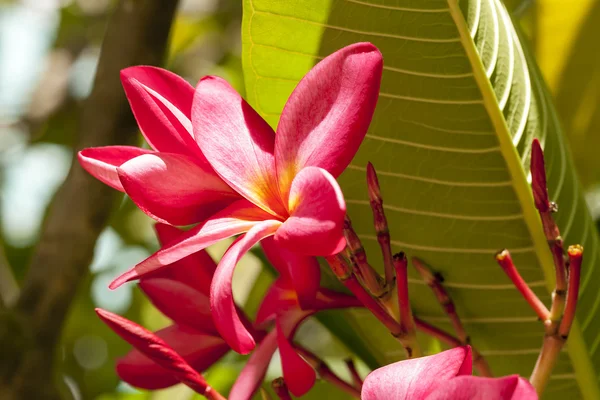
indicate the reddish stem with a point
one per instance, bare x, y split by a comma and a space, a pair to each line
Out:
356, 379
212, 394
381, 225
575, 259
281, 389
406, 317
479, 361
342, 271
437, 333
505, 261
443, 298
326, 373
363, 270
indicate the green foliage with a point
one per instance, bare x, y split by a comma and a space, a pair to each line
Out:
461, 101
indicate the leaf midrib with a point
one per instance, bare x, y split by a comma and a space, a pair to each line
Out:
584, 369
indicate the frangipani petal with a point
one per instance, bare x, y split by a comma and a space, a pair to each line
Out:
222, 303
317, 208
102, 162
280, 298
237, 142
155, 348
237, 218
255, 369
162, 104
299, 375
174, 188
180, 302
327, 116
302, 271
199, 349
416, 378
195, 270
476, 388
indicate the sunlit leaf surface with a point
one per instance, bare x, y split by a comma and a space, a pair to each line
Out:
460, 103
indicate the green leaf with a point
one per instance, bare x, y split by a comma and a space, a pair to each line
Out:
565, 38
460, 103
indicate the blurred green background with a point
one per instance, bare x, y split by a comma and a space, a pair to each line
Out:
48, 54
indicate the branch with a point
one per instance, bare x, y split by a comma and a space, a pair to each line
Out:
9, 290
136, 34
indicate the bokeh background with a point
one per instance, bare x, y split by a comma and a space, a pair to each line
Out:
48, 55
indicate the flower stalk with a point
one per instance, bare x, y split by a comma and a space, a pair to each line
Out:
326, 373
356, 379
381, 225
481, 365
557, 320
546, 208
407, 322
435, 283
345, 275
505, 261
362, 269
281, 389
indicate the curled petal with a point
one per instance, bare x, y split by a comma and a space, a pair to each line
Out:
255, 369
199, 349
317, 208
222, 303
174, 188
237, 142
474, 388
180, 302
299, 375
195, 270
418, 377
302, 271
237, 218
102, 162
162, 104
154, 348
327, 116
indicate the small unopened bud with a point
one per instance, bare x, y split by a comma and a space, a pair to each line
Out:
538, 178
373, 183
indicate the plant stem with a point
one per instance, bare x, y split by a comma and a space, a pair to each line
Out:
363, 270
326, 373
560, 290
546, 208
356, 379
481, 365
435, 283
556, 336
545, 363
212, 394
9, 289
406, 318
505, 261
575, 259
344, 274
381, 225
281, 389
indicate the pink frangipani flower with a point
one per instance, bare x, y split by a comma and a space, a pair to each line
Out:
446, 375
283, 305
183, 350
227, 164
180, 292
